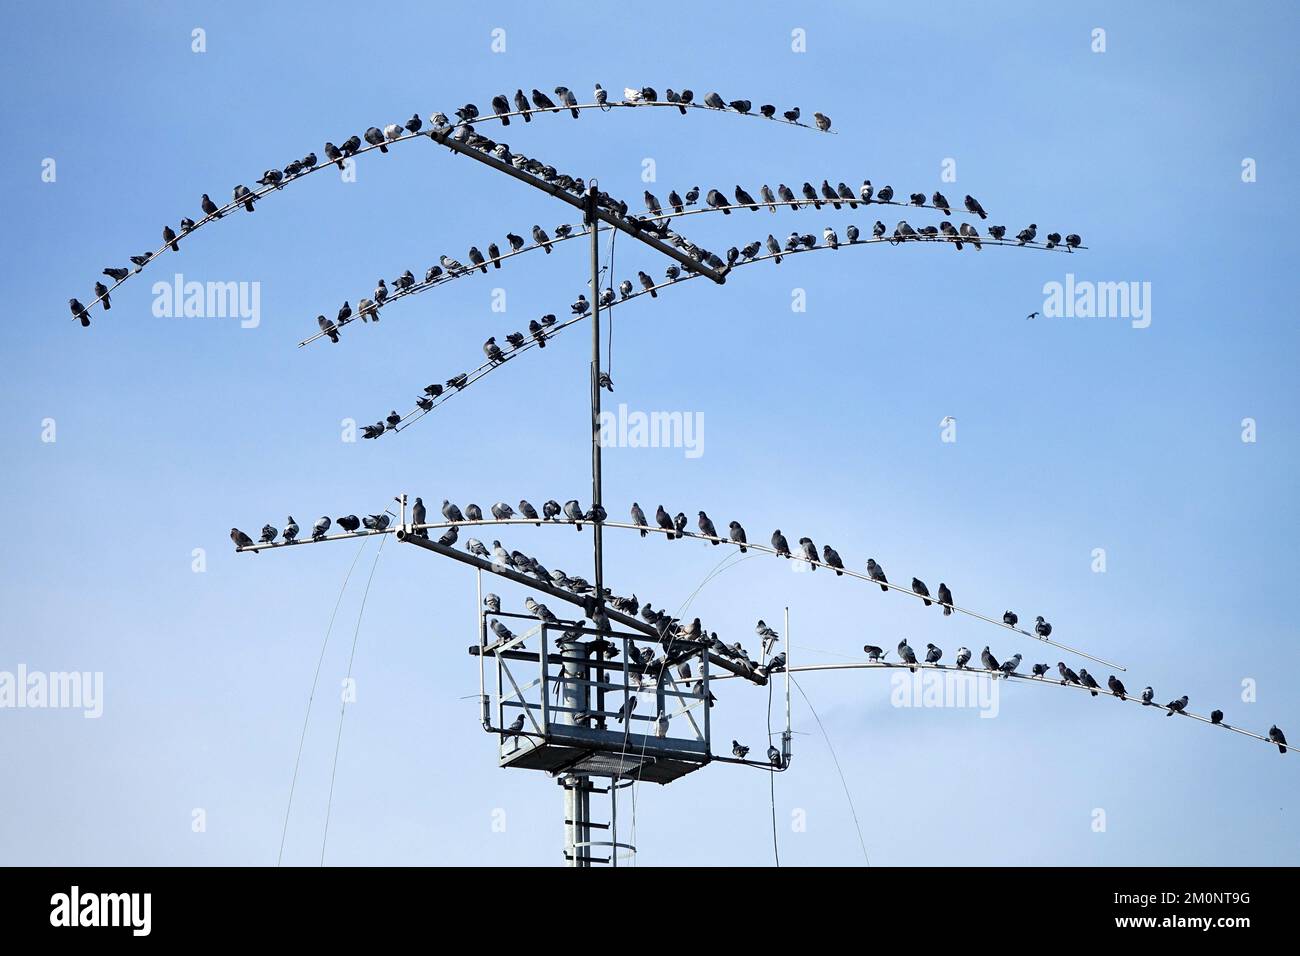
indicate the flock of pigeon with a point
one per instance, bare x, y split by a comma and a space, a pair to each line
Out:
657, 223
441, 127
1008, 668
679, 640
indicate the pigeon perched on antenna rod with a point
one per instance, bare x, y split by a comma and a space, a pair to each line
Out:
877, 574
873, 653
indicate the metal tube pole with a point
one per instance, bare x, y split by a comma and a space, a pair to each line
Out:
596, 504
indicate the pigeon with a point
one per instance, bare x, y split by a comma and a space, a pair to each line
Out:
1041, 627
877, 573
502, 511
951, 233
945, 598
244, 195
1147, 696
515, 729
140, 261
919, 587
707, 528
1040, 669
80, 312
580, 307
810, 194
269, 534
774, 758
451, 512
448, 537
665, 521
972, 235
973, 206
809, 552
476, 259
501, 106
831, 558
543, 102
1053, 240
375, 522
540, 237
328, 328
774, 247
528, 511
988, 660
1072, 242
1027, 234
625, 711
832, 240
573, 511
823, 121
852, 233
473, 513
738, 536
739, 750
886, 194
718, 201
290, 529
1176, 706
568, 99
493, 351
1088, 680
476, 547
648, 284
210, 208
1067, 675
550, 510
873, 653
997, 232
169, 238
319, 529
878, 230
1216, 717
1114, 683
745, 199
1274, 734
906, 654
679, 523
780, 544
830, 194
932, 654
940, 202
638, 518
1010, 619
393, 419
1009, 666
240, 539
792, 114
117, 274
350, 522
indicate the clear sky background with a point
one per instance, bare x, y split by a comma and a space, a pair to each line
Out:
1073, 434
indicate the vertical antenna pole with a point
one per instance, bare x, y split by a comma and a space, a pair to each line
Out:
596, 502
788, 735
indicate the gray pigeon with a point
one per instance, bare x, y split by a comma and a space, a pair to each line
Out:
573, 511
873, 653
502, 511
290, 529
809, 552
626, 710
1041, 627
321, 526
1009, 666
451, 512
707, 529
1116, 686
832, 558
988, 660
492, 603
945, 599
1274, 734
240, 539
963, 657
906, 654
1040, 669
1088, 680
1067, 675
1147, 696
919, 587
738, 536
638, 518
739, 750
1176, 706
932, 654
877, 573
780, 544
528, 511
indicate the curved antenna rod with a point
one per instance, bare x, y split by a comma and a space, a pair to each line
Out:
473, 376
577, 231
761, 548
1024, 678
256, 194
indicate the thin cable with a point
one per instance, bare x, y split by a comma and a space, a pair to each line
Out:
338, 740
284, 832
843, 782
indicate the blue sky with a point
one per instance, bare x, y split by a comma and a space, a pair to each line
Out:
1073, 434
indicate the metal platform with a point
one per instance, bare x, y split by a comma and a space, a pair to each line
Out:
583, 679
